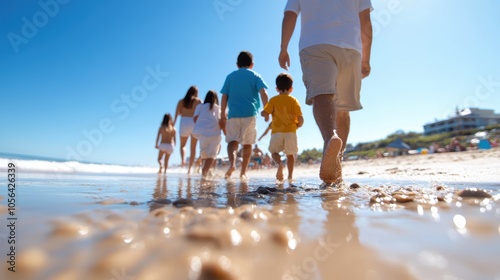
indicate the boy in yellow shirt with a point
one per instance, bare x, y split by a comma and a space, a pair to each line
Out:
287, 117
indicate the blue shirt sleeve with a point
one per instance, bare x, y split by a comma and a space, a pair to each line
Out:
261, 84
225, 87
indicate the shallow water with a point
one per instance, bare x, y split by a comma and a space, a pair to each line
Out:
180, 227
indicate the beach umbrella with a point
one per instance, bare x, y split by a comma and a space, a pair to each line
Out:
399, 144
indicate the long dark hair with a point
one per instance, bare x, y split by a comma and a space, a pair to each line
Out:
167, 120
189, 98
211, 98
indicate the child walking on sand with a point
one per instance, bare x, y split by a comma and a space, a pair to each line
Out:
287, 117
240, 94
206, 128
165, 141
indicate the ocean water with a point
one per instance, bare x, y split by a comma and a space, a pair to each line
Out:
96, 221
37, 164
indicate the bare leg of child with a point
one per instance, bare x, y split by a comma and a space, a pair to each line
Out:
232, 148
206, 167
290, 163
279, 172
247, 152
199, 165
165, 165
160, 156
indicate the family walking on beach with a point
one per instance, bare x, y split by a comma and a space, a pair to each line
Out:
334, 49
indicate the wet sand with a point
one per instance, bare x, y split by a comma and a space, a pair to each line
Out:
414, 217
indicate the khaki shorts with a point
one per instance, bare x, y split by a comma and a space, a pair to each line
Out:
284, 142
242, 130
329, 69
209, 146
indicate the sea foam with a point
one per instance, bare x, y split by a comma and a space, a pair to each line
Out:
45, 166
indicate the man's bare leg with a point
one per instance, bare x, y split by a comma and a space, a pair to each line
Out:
325, 115
343, 127
246, 153
232, 148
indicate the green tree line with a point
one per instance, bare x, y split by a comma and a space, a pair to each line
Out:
413, 139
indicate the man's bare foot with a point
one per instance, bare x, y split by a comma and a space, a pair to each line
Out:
229, 172
279, 173
330, 170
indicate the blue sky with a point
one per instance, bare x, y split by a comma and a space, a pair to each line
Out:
91, 80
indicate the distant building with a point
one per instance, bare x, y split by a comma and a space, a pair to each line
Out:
464, 119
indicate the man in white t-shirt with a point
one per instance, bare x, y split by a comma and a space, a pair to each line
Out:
335, 45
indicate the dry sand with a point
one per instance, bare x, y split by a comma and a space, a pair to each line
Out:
470, 166
395, 218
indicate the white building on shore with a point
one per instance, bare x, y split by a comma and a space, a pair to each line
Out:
467, 118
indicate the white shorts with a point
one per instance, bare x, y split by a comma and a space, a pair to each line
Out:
166, 147
186, 126
284, 142
209, 146
328, 69
242, 130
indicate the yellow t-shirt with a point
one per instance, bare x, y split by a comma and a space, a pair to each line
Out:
285, 110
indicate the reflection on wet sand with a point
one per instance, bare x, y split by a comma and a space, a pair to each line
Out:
159, 194
234, 191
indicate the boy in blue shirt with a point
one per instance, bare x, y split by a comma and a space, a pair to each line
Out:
240, 95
